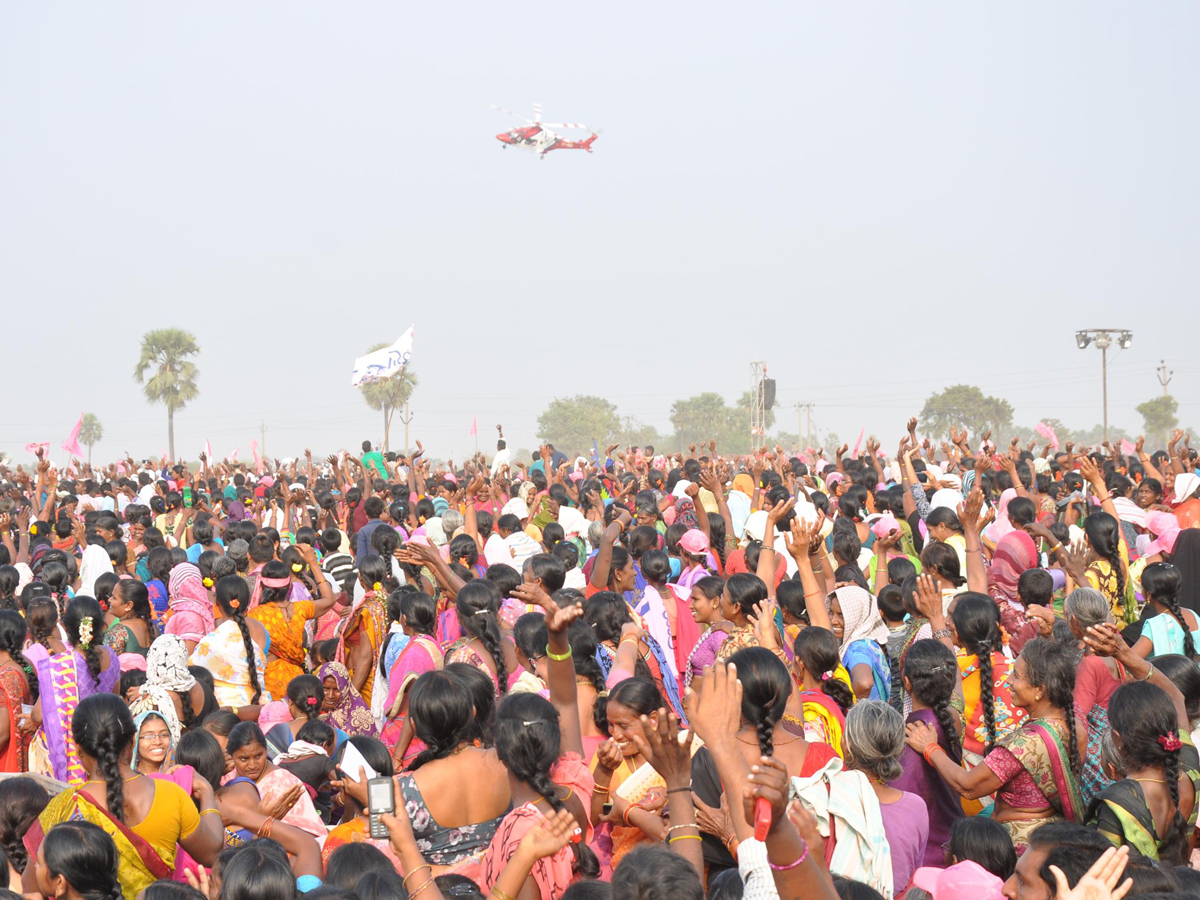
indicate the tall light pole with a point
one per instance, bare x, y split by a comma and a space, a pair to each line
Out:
1103, 338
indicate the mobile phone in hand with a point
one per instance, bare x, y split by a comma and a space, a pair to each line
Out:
381, 798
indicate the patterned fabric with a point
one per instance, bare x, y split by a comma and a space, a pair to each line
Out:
14, 692
420, 655
367, 623
462, 652
1120, 814
868, 652
441, 846
224, 654
191, 611
1092, 779
738, 639
1040, 745
166, 676
1103, 578
122, 639
287, 642
356, 831
303, 814
352, 715
704, 654
1008, 716
64, 680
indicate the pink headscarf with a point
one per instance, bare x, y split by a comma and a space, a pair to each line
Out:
190, 607
1015, 553
1165, 528
1003, 525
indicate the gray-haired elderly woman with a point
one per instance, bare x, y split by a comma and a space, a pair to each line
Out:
1096, 680
873, 742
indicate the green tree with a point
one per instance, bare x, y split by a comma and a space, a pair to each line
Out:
706, 417
90, 432
389, 394
572, 423
172, 380
634, 434
965, 406
1160, 417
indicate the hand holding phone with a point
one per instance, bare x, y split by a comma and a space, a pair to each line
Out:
381, 798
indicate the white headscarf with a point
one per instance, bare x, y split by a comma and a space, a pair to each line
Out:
95, 562
166, 674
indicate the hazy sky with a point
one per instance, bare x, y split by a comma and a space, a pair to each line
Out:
877, 199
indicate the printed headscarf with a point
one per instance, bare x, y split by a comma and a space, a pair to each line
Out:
1015, 553
352, 716
860, 612
166, 674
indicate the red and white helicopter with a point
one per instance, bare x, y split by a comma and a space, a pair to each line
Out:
536, 135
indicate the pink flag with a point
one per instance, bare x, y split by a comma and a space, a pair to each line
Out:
71, 444
33, 447
1126, 447
1048, 433
258, 460
474, 427
232, 457
858, 443
121, 466
208, 451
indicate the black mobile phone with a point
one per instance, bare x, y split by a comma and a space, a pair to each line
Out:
606, 808
381, 798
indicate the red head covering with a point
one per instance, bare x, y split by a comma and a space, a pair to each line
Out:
1015, 553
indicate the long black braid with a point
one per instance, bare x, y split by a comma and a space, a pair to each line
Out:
12, 638
477, 605
528, 742
766, 686
103, 728
817, 650
233, 596
1051, 665
1103, 533
1144, 717
1161, 583
84, 614
442, 712
977, 622
932, 671
24, 800
582, 637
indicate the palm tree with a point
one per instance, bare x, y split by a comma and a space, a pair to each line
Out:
173, 377
389, 394
90, 431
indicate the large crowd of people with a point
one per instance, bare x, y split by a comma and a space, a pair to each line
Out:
962, 671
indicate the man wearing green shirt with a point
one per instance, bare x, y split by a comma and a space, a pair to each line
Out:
374, 459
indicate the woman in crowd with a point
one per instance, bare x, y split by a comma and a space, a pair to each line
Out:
706, 597
855, 622
873, 744
131, 629
305, 699
18, 687
481, 645
65, 679
1034, 771
930, 674
248, 748
342, 706
1143, 809
170, 688
363, 631
285, 622
190, 612
148, 820
421, 654
236, 650
742, 593
989, 712
153, 744
825, 691
455, 793
1171, 629
79, 859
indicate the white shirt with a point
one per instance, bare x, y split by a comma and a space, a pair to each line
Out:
501, 459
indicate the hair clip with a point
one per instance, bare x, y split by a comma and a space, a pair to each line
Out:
539, 722
311, 701
825, 676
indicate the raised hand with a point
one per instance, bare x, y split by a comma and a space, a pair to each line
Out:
548, 836
1101, 882
968, 510
663, 750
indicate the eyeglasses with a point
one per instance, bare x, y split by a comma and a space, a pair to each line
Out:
155, 737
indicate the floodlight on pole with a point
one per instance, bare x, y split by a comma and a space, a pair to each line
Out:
1103, 339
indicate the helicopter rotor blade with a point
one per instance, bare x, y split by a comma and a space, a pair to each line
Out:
563, 125
537, 113
513, 114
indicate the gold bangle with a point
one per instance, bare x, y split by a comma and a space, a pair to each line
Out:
424, 885
404, 881
205, 812
500, 895
628, 637
684, 837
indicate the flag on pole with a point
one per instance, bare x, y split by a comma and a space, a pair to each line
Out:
1127, 447
1048, 433
208, 452
232, 457
34, 446
71, 444
258, 460
474, 426
858, 443
383, 363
